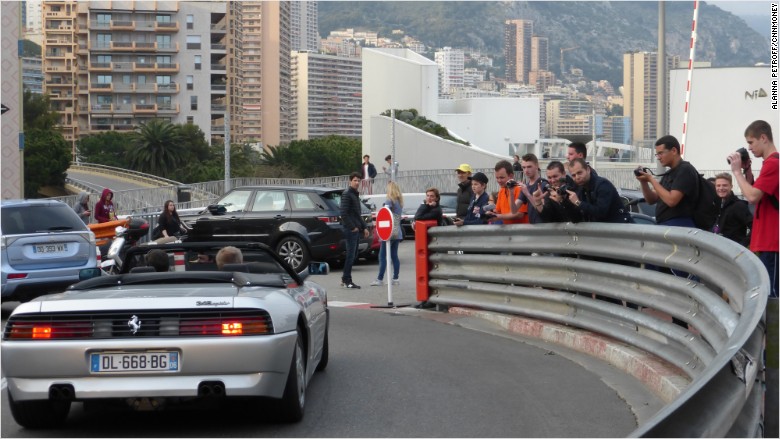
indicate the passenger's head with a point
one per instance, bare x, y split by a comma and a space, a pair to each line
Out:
580, 171
667, 150
158, 259
723, 184
576, 150
229, 255
504, 172
556, 174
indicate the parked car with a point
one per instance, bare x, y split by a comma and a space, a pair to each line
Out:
257, 329
640, 211
302, 224
44, 246
412, 202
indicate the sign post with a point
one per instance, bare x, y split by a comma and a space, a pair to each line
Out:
384, 229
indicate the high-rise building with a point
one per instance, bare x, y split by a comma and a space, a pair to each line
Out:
137, 61
561, 116
451, 64
327, 95
517, 49
541, 79
32, 74
540, 55
266, 98
32, 17
303, 26
640, 91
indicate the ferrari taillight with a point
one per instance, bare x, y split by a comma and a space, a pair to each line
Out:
241, 326
48, 330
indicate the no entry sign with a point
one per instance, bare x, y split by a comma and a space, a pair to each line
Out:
384, 223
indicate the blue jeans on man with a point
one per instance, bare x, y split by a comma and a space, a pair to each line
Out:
351, 239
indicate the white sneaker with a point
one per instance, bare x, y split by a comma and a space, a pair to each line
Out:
396, 282
376, 283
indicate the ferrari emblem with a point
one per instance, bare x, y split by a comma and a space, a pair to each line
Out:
134, 324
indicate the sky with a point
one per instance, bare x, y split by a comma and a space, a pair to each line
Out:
740, 8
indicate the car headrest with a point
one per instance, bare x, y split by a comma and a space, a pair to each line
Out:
142, 270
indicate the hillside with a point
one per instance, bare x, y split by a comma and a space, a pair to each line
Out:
603, 30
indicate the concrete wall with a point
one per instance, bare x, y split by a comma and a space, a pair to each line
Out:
492, 123
724, 101
418, 150
400, 79
11, 91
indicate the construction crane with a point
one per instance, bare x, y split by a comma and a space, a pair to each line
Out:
566, 49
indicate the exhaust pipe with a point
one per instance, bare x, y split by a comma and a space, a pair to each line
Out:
62, 392
211, 389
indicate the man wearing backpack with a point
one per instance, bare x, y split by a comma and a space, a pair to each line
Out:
763, 193
675, 195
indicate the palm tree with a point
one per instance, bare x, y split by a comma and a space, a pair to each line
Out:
156, 148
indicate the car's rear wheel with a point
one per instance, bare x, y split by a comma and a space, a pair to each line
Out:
294, 252
39, 413
294, 398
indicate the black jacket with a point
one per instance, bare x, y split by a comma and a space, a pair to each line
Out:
735, 220
350, 210
371, 170
465, 195
600, 202
426, 212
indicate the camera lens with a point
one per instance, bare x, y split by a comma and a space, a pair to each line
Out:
637, 172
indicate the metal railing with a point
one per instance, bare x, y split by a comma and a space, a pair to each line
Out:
550, 271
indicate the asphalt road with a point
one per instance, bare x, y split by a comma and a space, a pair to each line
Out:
106, 181
405, 373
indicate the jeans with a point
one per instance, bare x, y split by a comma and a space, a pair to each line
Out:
393, 255
770, 260
351, 238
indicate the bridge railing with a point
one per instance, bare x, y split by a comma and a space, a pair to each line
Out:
549, 272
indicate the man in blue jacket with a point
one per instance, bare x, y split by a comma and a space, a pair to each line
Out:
352, 225
596, 199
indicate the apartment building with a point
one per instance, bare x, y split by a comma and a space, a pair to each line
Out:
640, 93
327, 95
303, 26
451, 70
517, 49
32, 75
32, 18
561, 116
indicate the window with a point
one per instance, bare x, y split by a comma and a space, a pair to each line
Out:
104, 79
104, 100
164, 42
190, 82
104, 59
190, 21
163, 18
197, 62
141, 79
103, 20
127, 79
193, 102
269, 201
103, 41
190, 119
126, 100
193, 41
164, 102
303, 201
235, 201
163, 59
163, 80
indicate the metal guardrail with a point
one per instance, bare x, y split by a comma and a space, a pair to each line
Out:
539, 271
135, 175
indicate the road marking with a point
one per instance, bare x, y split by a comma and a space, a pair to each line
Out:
339, 304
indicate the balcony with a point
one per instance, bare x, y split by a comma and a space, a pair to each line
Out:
218, 47
58, 83
123, 46
219, 27
57, 54
168, 88
100, 45
166, 27
58, 96
101, 88
217, 128
167, 67
146, 88
122, 87
220, 67
218, 87
123, 66
101, 127
100, 66
144, 67
122, 25
143, 46
167, 47
145, 108
123, 108
102, 108
168, 108
83, 49
62, 13
218, 108
124, 127
62, 69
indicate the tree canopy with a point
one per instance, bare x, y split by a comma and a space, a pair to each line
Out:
46, 152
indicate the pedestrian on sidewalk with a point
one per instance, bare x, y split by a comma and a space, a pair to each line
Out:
352, 226
395, 202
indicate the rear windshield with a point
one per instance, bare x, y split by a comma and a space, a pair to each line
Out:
24, 219
333, 199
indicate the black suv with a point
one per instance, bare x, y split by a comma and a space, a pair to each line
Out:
302, 224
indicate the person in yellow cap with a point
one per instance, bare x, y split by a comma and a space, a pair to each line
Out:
465, 193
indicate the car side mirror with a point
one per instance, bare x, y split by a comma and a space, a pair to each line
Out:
89, 273
319, 268
217, 209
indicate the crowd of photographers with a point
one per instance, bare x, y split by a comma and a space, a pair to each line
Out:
574, 192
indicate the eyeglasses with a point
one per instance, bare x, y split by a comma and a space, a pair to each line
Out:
660, 153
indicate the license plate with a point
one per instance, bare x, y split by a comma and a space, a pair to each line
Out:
50, 248
134, 362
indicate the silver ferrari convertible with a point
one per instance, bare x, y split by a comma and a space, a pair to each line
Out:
148, 338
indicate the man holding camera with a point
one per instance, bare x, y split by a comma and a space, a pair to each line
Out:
549, 204
674, 196
764, 194
530, 166
596, 199
507, 212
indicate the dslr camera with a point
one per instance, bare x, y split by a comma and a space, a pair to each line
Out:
511, 183
743, 155
562, 190
638, 171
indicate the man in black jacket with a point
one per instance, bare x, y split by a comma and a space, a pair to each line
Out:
465, 194
430, 208
352, 225
368, 171
596, 199
734, 218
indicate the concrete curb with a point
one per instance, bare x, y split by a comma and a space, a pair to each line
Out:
660, 377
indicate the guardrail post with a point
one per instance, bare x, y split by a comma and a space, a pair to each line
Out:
421, 257
770, 397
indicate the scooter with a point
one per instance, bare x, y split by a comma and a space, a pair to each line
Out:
126, 237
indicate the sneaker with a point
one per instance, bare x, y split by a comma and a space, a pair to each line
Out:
376, 283
396, 282
350, 285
